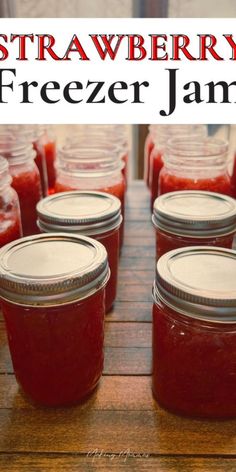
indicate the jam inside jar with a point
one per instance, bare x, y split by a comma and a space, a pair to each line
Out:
91, 169
162, 134
93, 214
54, 315
25, 178
194, 332
195, 165
10, 219
193, 218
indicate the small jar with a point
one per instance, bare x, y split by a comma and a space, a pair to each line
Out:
195, 165
25, 179
93, 214
52, 290
161, 137
10, 219
193, 218
91, 169
194, 332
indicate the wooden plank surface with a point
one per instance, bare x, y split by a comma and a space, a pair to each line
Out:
120, 427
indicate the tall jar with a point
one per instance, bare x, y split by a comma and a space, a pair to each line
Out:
194, 332
25, 179
193, 218
10, 219
52, 290
93, 214
191, 164
161, 137
91, 169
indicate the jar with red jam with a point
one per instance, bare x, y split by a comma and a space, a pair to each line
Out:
10, 219
191, 164
52, 289
193, 218
25, 179
161, 137
91, 169
194, 332
93, 214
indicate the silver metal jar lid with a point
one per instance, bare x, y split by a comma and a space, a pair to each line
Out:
52, 269
88, 213
195, 214
198, 282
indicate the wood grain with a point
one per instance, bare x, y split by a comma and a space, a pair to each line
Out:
125, 311
79, 431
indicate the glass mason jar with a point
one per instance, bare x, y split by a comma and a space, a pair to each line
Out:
93, 214
194, 332
193, 218
195, 165
91, 169
25, 178
52, 290
161, 137
10, 219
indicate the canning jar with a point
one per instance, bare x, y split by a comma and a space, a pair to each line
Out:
25, 178
161, 137
52, 290
10, 219
193, 218
93, 214
91, 169
195, 165
194, 332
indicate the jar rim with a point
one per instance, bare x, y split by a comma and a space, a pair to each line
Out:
164, 133
198, 282
195, 213
191, 147
5, 178
16, 151
61, 268
65, 211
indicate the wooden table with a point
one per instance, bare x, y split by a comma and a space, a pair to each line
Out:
120, 427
